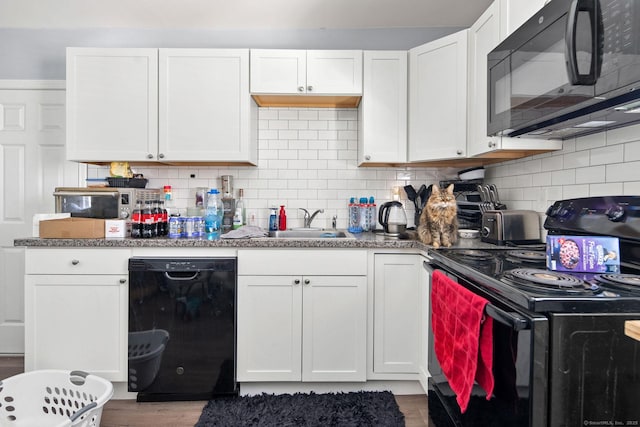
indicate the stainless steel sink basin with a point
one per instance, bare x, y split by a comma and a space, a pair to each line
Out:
309, 234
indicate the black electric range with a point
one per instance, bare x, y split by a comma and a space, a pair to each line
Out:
561, 354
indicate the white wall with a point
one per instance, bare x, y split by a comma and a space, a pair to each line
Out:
602, 164
33, 54
307, 159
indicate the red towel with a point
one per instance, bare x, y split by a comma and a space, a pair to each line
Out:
463, 340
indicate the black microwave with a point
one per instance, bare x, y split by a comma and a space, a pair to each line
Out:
571, 69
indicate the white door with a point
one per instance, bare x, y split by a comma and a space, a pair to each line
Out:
204, 105
269, 328
278, 71
438, 99
396, 313
334, 72
77, 322
32, 164
112, 98
382, 136
334, 328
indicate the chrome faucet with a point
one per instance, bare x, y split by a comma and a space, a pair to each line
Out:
308, 218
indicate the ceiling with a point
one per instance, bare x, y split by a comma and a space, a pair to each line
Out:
240, 14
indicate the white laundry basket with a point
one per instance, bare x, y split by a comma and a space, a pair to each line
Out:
53, 398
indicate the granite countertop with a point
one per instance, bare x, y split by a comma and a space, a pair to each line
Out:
360, 240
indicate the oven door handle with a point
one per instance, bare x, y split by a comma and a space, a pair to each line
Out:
510, 319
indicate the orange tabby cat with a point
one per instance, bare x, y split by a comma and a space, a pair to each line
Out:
439, 221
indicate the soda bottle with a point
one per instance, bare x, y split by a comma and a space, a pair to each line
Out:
136, 221
164, 218
148, 223
157, 217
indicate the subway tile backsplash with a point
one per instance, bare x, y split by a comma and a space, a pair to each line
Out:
307, 159
602, 164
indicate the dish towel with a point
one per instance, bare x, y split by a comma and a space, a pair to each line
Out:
463, 337
245, 232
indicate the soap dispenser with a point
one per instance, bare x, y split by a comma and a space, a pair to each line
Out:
282, 219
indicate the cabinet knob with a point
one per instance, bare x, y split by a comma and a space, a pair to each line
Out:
459, 152
123, 281
367, 157
297, 281
149, 156
161, 156
300, 88
309, 88
307, 281
75, 262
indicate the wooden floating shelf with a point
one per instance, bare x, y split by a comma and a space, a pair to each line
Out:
313, 101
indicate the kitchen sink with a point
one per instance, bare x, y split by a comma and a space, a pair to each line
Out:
309, 234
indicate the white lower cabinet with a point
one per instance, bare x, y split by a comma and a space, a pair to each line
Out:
398, 321
302, 327
76, 310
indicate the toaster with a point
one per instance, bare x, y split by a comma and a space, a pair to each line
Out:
510, 226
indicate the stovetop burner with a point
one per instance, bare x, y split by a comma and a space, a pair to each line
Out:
537, 280
475, 254
626, 282
527, 255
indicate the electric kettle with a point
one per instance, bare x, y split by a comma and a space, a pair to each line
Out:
392, 218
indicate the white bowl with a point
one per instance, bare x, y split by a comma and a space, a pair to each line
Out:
466, 233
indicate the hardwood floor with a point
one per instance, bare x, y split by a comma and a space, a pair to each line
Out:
128, 413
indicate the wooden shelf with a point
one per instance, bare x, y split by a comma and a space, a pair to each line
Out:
316, 101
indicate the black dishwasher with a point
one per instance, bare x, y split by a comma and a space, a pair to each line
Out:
182, 328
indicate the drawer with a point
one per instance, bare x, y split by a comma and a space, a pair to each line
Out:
77, 261
329, 262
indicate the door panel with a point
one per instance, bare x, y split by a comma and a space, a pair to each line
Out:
32, 161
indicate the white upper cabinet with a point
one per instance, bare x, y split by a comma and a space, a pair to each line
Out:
438, 99
382, 137
306, 78
166, 105
484, 35
112, 104
514, 13
205, 109
320, 72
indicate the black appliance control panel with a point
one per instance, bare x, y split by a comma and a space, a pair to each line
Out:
617, 216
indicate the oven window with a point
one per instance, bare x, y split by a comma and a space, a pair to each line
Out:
510, 404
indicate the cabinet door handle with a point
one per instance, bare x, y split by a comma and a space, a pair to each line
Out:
300, 88
459, 152
296, 282
161, 156
149, 156
123, 281
307, 281
309, 88
75, 262
367, 157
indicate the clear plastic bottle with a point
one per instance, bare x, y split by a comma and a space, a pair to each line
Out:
363, 207
371, 213
354, 216
240, 205
237, 219
213, 215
